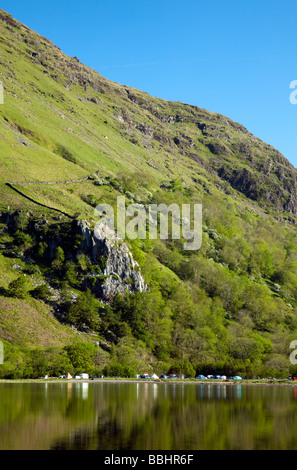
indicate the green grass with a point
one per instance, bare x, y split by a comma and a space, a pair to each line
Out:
30, 323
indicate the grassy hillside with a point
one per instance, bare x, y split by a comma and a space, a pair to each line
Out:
71, 139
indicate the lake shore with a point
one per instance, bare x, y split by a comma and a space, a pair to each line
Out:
268, 382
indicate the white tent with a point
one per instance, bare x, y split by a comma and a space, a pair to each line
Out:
154, 376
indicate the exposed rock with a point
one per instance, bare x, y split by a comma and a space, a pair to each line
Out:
259, 186
120, 272
16, 266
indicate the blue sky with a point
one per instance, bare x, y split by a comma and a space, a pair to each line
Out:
232, 57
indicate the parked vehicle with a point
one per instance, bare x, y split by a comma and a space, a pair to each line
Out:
84, 376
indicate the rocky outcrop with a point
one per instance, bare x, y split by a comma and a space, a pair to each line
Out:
120, 273
263, 186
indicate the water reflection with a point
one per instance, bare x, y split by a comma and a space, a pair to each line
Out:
153, 416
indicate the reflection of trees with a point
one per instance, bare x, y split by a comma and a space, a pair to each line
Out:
108, 416
192, 417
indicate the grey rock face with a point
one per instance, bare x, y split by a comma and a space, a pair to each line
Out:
119, 271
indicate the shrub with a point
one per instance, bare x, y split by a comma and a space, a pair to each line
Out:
84, 312
19, 287
42, 292
65, 153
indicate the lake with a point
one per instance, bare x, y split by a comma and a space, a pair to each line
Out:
147, 416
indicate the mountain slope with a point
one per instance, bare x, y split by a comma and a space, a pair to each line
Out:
71, 139
64, 118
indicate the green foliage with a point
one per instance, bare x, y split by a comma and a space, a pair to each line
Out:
21, 221
70, 275
22, 240
84, 311
90, 199
33, 270
82, 357
21, 363
41, 250
183, 367
118, 370
17, 364
223, 308
65, 153
42, 292
83, 261
59, 259
19, 287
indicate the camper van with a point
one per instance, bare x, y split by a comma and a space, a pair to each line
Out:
84, 376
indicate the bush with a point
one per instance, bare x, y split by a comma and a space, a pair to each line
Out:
65, 153
82, 357
119, 370
84, 312
19, 287
58, 262
42, 292
33, 269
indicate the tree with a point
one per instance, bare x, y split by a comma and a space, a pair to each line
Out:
59, 259
58, 361
21, 221
84, 311
39, 363
41, 250
119, 370
82, 356
23, 240
183, 367
70, 275
19, 287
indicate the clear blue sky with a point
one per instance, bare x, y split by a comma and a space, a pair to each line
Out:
233, 57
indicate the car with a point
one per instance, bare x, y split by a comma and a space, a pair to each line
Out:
163, 376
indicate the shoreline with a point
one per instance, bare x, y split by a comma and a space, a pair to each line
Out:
267, 382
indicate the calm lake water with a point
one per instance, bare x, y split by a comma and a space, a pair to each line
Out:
149, 416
